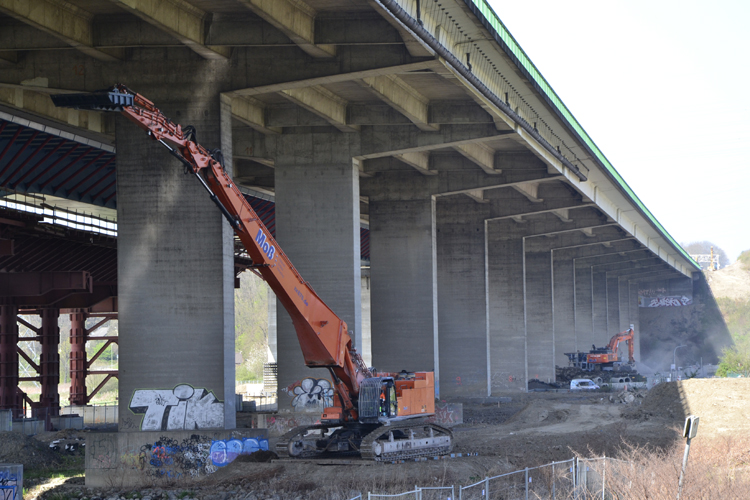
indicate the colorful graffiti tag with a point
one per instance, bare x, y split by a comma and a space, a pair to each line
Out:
663, 301
172, 459
183, 407
9, 485
311, 394
224, 452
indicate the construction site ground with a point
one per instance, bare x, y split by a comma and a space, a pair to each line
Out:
531, 429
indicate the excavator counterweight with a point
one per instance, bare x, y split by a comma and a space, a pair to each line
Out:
364, 403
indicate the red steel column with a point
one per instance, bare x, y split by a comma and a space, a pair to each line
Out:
78, 368
50, 361
9, 358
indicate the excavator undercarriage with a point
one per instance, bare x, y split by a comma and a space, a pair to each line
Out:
398, 441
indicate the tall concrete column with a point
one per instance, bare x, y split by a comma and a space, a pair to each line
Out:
175, 271
623, 304
539, 325
462, 298
584, 307
633, 317
613, 305
366, 322
564, 308
403, 272
317, 225
9, 399
50, 361
506, 293
599, 304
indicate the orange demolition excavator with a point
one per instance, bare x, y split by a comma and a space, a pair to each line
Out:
604, 358
379, 417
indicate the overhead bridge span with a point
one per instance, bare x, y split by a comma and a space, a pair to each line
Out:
412, 161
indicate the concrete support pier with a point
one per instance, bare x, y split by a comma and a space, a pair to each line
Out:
317, 225
176, 275
506, 294
462, 298
404, 296
539, 325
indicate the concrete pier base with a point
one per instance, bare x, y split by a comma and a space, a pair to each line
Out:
176, 276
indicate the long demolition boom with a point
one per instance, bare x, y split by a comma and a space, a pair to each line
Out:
323, 336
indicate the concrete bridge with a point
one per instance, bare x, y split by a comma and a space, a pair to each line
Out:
500, 236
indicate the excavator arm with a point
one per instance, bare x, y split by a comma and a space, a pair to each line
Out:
624, 336
323, 336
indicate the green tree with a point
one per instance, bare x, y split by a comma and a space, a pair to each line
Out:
251, 326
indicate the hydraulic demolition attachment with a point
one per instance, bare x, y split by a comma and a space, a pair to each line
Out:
378, 416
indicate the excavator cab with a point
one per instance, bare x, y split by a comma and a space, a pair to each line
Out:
377, 400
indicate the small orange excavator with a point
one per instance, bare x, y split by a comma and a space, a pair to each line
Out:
380, 417
605, 358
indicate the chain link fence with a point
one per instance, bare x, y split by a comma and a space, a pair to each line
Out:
574, 479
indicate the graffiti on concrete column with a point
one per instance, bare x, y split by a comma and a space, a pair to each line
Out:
662, 301
311, 393
183, 407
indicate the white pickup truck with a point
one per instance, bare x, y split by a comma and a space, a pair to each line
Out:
582, 384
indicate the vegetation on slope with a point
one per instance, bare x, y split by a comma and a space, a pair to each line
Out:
251, 326
736, 312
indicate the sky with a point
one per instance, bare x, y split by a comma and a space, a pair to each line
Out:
663, 89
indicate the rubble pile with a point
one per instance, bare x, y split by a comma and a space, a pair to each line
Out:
626, 397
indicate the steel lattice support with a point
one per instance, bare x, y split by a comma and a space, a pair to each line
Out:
50, 361
9, 394
78, 368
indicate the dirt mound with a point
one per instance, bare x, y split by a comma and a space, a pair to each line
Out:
732, 282
539, 412
721, 404
17, 448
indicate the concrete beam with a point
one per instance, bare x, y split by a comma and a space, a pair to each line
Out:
404, 98
322, 102
325, 72
295, 19
530, 191
441, 113
459, 177
419, 160
251, 112
561, 213
573, 239
389, 141
657, 276
481, 154
477, 195
627, 264
643, 271
60, 19
8, 58
614, 256
178, 18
